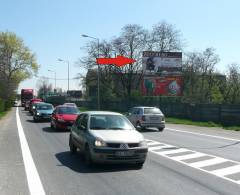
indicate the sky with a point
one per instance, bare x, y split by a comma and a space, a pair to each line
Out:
52, 28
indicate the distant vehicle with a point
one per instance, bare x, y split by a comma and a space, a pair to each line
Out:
33, 106
32, 101
107, 137
43, 111
26, 95
63, 117
70, 104
144, 117
26, 107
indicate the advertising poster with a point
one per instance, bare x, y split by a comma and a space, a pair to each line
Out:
162, 86
162, 62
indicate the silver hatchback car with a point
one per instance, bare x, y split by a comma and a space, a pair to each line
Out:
143, 117
107, 137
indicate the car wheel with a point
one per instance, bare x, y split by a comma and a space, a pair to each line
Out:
34, 119
87, 156
139, 126
73, 148
160, 129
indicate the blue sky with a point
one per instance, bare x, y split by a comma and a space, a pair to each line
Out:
52, 28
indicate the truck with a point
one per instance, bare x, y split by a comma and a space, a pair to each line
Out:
26, 95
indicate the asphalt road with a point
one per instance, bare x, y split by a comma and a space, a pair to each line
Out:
163, 173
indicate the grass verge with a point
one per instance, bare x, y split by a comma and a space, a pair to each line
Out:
200, 124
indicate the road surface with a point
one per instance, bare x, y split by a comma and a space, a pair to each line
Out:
183, 160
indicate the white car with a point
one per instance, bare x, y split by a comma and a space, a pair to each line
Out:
107, 137
143, 117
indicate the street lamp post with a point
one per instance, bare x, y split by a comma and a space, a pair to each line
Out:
66, 61
98, 76
55, 78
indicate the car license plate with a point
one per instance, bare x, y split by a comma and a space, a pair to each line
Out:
154, 118
125, 153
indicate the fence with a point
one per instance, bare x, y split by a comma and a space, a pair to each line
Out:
225, 114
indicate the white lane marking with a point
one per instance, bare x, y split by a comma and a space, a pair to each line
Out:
175, 151
227, 171
152, 143
34, 183
193, 165
202, 134
158, 147
208, 162
189, 156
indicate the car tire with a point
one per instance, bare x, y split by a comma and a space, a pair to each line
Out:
87, 156
35, 120
139, 126
160, 129
73, 148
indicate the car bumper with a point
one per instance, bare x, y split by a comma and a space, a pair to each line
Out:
64, 126
43, 118
158, 125
112, 155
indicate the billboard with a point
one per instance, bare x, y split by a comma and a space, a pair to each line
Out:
162, 86
162, 62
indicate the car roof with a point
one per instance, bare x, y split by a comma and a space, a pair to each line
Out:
64, 106
44, 103
39, 103
101, 113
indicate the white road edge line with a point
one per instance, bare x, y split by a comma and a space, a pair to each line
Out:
34, 182
202, 134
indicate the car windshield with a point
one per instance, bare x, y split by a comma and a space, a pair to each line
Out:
110, 122
44, 107
68, 110
152, 111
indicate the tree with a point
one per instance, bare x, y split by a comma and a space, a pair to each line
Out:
202, 82
44, 88
16, 63
232, 87
131, 42
165, 38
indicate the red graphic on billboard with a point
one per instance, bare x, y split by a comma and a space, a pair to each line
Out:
162, 86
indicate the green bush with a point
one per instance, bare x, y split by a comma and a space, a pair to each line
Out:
2, 106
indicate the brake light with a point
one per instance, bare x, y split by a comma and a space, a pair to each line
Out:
143, 118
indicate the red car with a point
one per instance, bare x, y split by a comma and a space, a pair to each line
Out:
32, 101
63, 117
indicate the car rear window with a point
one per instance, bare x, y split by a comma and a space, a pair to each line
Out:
68, 110
152, 111
44, 107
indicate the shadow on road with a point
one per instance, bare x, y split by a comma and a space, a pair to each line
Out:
50, 130
148, 130
76, 163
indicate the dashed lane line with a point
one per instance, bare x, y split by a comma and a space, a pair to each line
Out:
167, 150
34, 183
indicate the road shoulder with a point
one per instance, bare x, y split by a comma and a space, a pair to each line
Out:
11, 163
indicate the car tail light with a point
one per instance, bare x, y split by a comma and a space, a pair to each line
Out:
143, 118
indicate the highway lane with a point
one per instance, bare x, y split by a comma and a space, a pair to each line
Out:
63, 173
